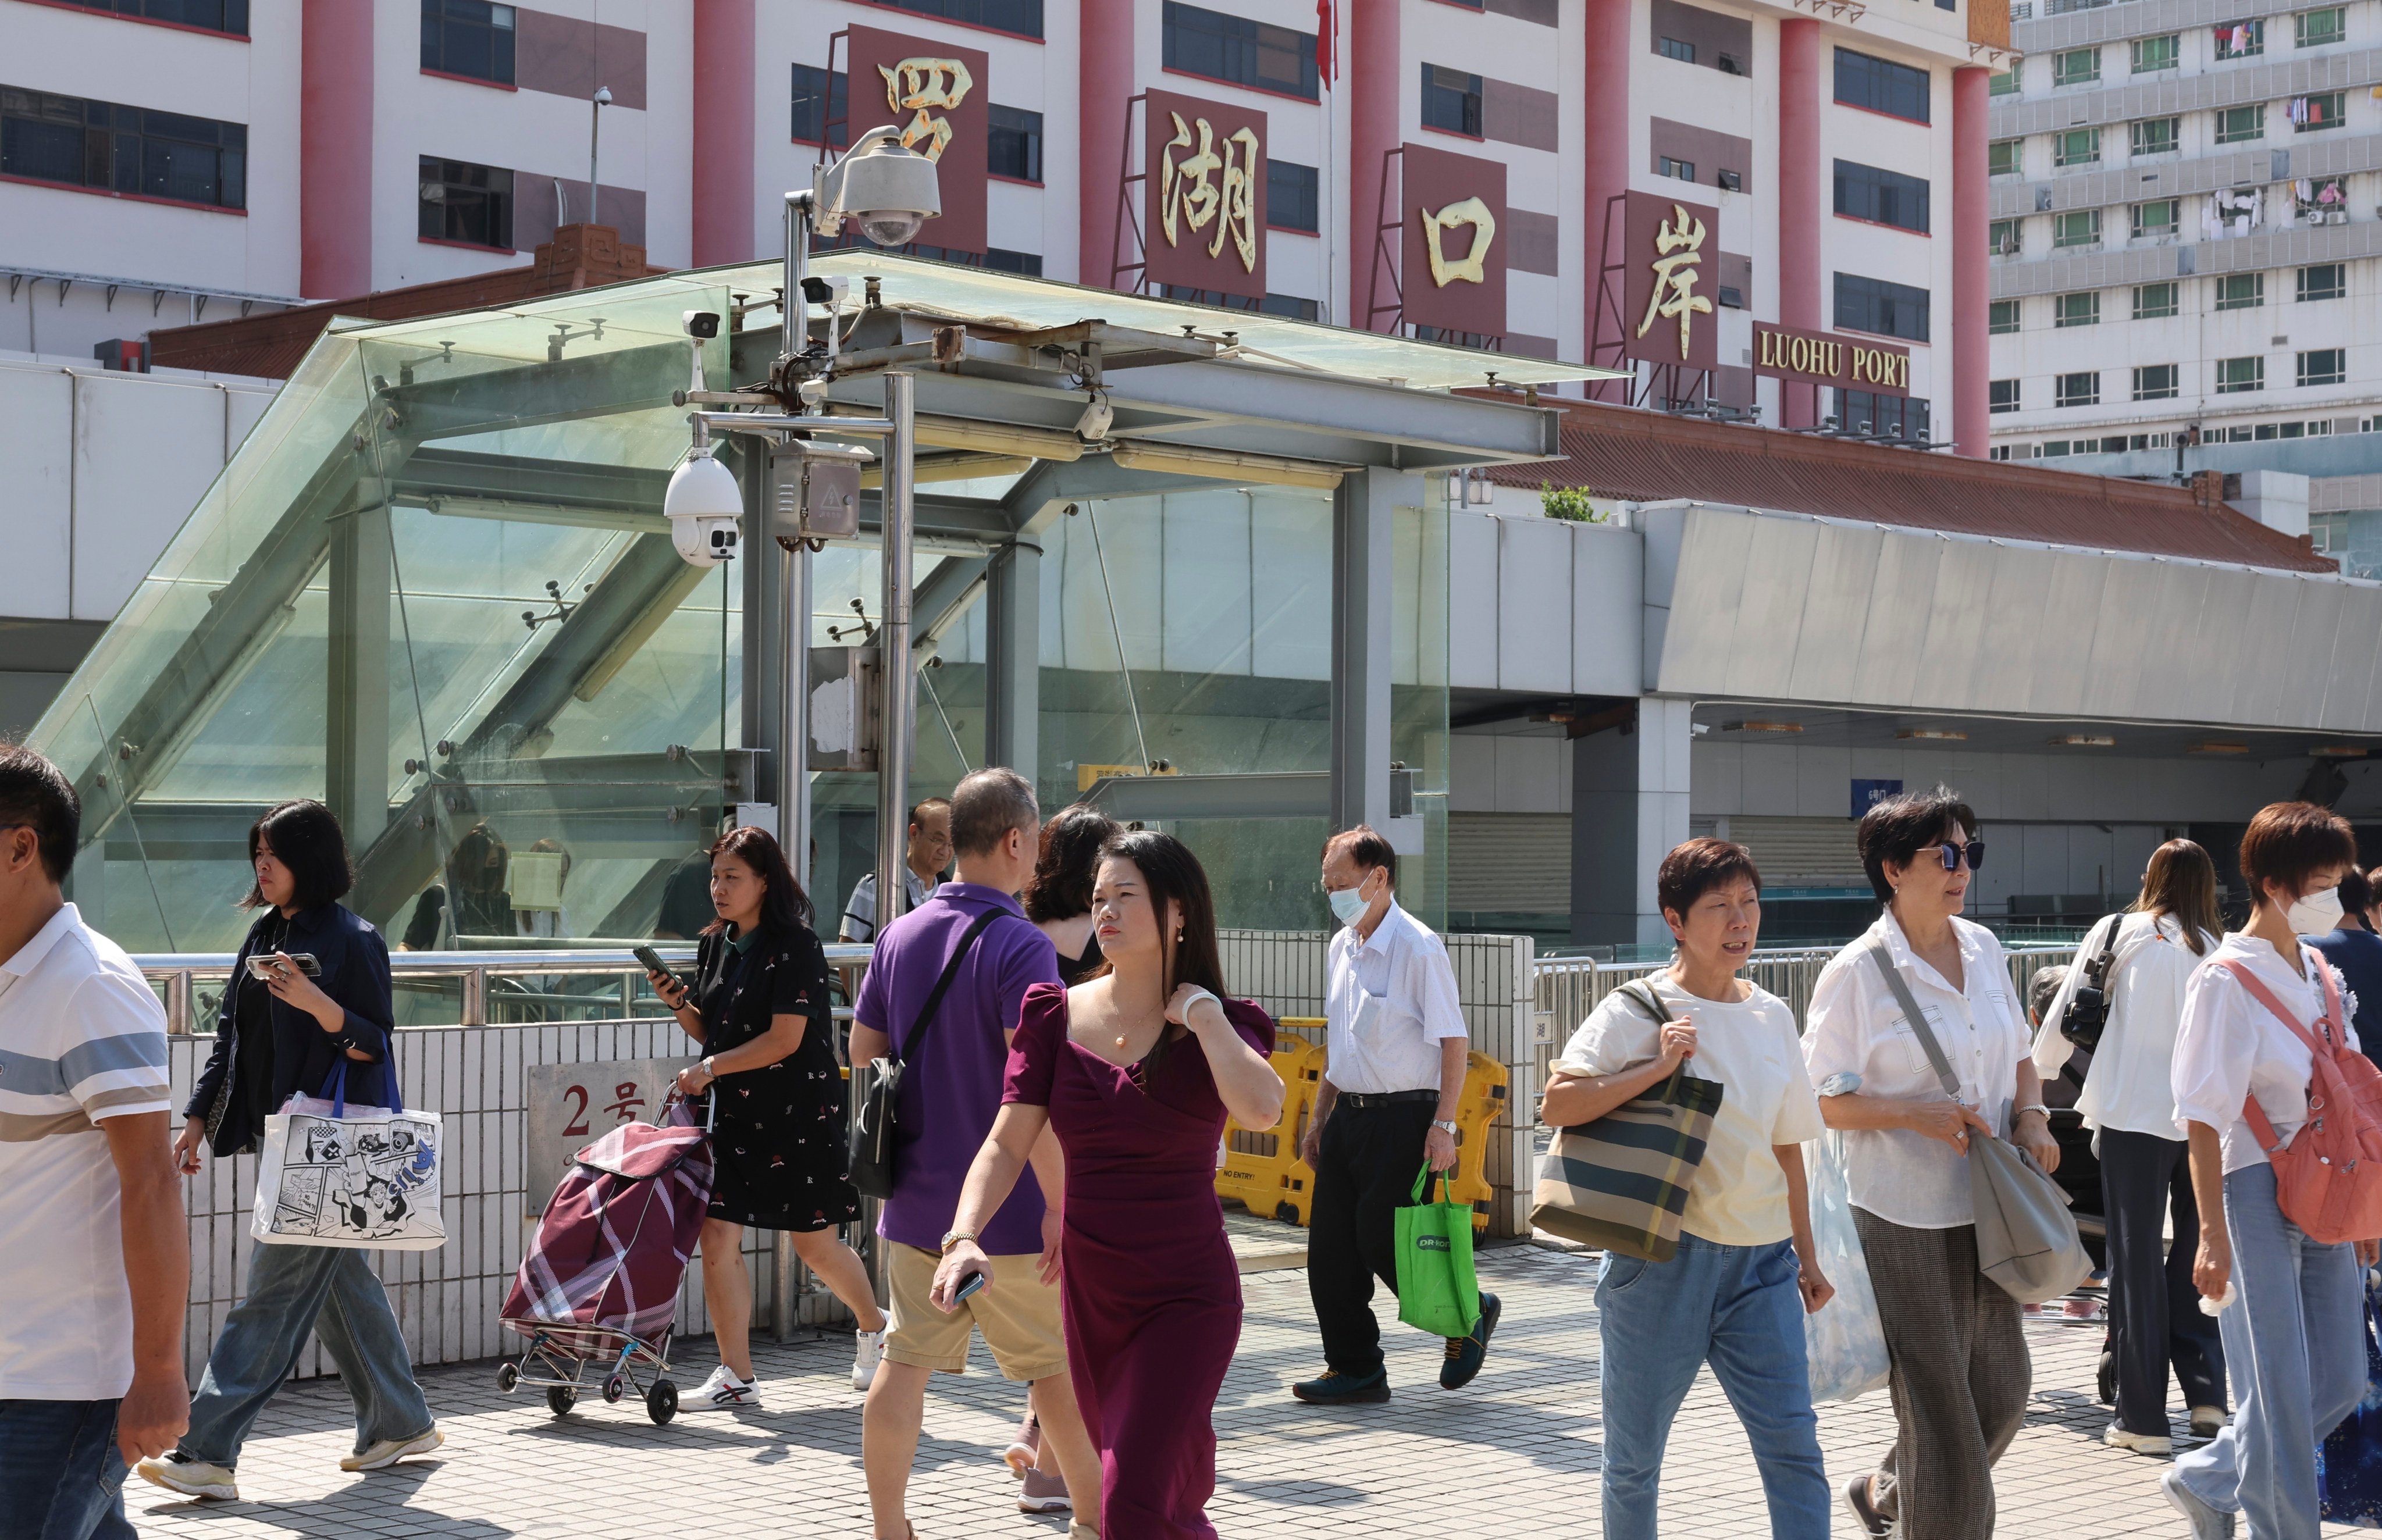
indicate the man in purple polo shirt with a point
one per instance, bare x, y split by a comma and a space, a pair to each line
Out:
951, 1090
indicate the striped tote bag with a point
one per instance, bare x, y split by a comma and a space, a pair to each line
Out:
1620, 1183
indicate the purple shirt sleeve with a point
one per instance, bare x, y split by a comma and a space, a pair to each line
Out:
869, 1009
1027, 959
1034, 1052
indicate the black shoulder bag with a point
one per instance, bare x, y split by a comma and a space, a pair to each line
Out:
872, 1132
2087, 1009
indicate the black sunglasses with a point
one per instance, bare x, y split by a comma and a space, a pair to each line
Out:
1974, 851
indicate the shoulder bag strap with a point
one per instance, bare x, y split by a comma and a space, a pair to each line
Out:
1642, 994
2251, 1113
925, 1016
1879, 954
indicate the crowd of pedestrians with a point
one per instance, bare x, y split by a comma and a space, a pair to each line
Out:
1068, 1057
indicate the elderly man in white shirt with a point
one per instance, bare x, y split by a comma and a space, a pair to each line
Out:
1393, 1079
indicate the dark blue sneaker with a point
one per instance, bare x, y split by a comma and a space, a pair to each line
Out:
1465, 1353
1335, 1389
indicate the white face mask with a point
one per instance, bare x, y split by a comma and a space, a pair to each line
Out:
1348, 904
2317, 914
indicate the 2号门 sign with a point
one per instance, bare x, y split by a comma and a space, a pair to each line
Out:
571, 1106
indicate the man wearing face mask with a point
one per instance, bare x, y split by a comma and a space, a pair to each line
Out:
1393, 1078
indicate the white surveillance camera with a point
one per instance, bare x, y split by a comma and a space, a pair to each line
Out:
1093, 425
888, 190
705, 510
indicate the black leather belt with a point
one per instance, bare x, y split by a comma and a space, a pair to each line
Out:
1362, 1099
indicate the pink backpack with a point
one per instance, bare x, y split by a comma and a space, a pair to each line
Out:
2329, 1180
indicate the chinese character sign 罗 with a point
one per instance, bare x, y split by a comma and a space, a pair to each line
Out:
919, 86
1677, 264
938, 94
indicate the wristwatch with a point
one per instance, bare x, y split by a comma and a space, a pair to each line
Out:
954, 1237
1443, 1123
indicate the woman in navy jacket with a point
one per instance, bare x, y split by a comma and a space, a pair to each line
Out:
292, 1033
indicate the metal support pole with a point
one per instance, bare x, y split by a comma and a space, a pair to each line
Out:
797, 311
794, 715
900, 677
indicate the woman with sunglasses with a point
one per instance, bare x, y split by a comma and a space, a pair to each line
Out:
1959, 1370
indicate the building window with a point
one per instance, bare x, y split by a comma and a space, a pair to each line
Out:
1027, 263
1237, 50
1022, 16
2076, 309
2003, 317
2076, 227
2156, 301
2075, 68
2156, 53
2311, 115
1292, 200
1882, 85
2002, 237
2158, 219
466, 202
1876, 305
2003, 395
1290, 305
2157, 382
1884, 197
2003, 83
2156, 136
1451, 100
2005, 157
819, 101
1012, 144
227, 17
470, 38
1665, 166
2241, 291
1861, 411
2077, 390
2076, 147
2324, 366
2314, 28
2325, 281
1672, 48
2241, 39
2237, 376
118, 149
2238, 125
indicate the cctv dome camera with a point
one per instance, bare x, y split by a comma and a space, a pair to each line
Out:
706, 508
890, 227
888, 189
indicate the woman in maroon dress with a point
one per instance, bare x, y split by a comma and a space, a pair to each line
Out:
1134, 1069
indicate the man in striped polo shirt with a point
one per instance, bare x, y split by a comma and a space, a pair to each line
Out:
94, 1257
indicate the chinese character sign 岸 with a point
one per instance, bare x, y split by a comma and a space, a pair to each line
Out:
1678, 263
1669, 256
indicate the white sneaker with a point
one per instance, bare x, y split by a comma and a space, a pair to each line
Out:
191, 1478
2117, 1437
2207, 1422
867, 1352
2207, 1523
389, 1451
723, 1391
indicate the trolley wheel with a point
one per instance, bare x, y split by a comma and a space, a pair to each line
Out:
559, 1398
614, 1389
508, 1376
662, 1402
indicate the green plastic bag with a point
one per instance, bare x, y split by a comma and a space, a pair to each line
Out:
1437, 1290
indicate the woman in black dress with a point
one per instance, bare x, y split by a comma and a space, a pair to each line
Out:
1058, 898
759, 1008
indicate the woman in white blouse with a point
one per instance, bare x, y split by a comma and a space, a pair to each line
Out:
2293, 1327
1959, 1368
2151, 948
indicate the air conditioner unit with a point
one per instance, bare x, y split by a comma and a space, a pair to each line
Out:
1733, 180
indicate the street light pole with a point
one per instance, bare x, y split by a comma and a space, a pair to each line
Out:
594, 130
898, 680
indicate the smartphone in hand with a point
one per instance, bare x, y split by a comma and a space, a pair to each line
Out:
653, 964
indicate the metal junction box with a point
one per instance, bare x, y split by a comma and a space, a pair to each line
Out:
813, 497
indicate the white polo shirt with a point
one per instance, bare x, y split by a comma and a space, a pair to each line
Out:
82, 1040
1389, 1001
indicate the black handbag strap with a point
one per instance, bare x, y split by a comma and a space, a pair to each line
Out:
2096, 971
925, 1016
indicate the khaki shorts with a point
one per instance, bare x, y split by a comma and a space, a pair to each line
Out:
1016, 1310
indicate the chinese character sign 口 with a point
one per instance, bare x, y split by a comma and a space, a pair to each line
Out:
1187, 197
1678, 261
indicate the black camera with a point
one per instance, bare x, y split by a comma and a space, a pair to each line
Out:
702, 324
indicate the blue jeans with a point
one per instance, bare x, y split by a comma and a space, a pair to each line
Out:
2294, 1341
1736, 1307
332, 1291
60, 1476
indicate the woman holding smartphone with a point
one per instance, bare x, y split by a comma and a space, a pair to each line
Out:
760, 1006
287, 1030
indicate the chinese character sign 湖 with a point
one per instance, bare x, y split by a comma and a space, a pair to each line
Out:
1677, 264
1205, 206
1186, 196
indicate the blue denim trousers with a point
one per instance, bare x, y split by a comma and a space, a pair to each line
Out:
332, 1291
2295, 1342
1738, 1309
60, 1476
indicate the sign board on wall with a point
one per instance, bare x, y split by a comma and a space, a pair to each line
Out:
940, 97
1452, 255
1868, 794
1204, 219
1671, 280
571, 1106
1825, 358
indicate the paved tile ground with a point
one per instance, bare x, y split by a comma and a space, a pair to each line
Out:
1515, 1455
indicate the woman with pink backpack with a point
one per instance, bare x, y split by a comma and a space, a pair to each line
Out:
2284, 1117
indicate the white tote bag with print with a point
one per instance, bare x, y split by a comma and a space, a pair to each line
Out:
335, 1175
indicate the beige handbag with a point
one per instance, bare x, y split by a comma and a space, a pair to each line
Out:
2027, 1240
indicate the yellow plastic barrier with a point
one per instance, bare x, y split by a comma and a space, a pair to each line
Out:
1264, 1172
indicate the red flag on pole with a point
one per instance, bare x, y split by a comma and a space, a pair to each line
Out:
1327, 41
